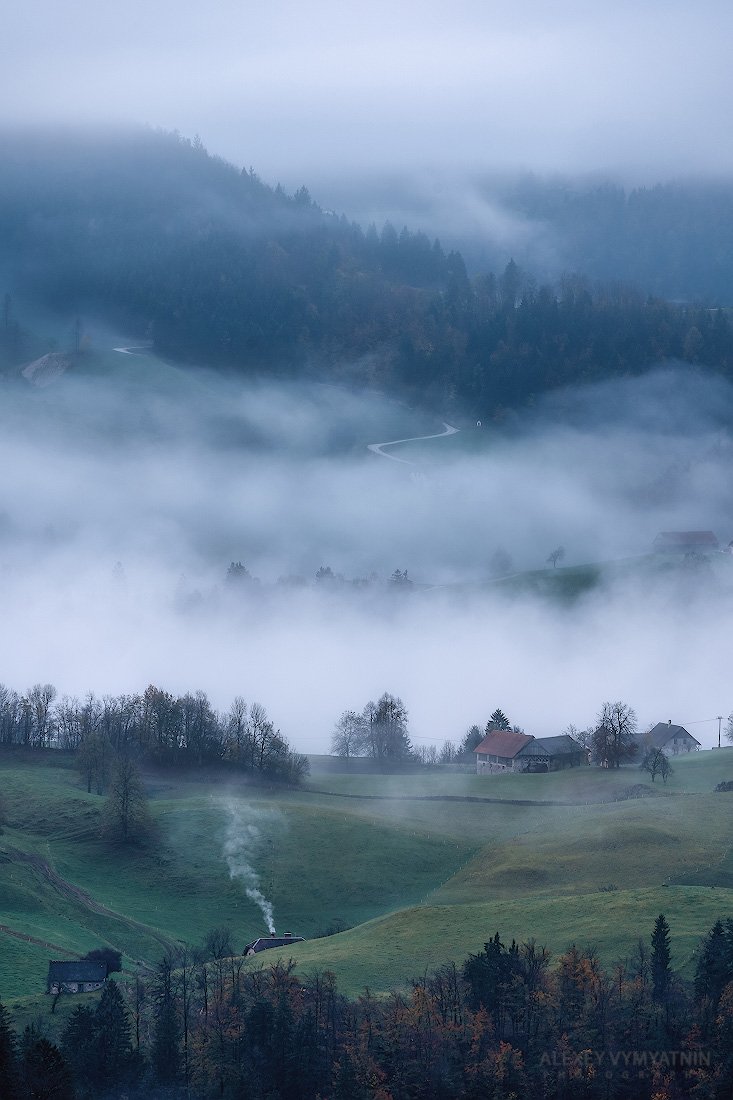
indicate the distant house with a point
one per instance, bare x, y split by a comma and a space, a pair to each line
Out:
671, 739
76, 977
265, 943
685, 542
502, 751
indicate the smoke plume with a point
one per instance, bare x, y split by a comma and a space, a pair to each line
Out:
243, 840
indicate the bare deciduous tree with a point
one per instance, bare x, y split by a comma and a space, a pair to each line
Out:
349, 735
656, 763
127, 817
614, 740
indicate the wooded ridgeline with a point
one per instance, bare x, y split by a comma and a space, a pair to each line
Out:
149, 233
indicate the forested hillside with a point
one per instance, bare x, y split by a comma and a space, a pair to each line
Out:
150, 234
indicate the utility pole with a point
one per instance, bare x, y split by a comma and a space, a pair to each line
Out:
720, 719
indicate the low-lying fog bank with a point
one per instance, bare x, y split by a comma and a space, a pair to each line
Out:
178, 477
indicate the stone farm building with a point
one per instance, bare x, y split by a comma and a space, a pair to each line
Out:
76, 977
672, 740
503, 751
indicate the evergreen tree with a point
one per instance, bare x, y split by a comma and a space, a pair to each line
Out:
9, 1084
472, 737
111, 1047
166, 1051
497, 721
77, 1040
44, 1071
661, 958
715, 963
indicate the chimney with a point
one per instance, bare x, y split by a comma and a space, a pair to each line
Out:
287, 934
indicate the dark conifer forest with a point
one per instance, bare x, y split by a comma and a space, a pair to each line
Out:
512, 1022
150, 234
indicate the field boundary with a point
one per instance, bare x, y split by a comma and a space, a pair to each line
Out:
75, 894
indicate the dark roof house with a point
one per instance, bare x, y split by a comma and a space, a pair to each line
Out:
265, 943
552, 754
669, 738
685, 542
76, 977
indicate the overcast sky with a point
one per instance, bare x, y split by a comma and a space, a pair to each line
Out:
300, 91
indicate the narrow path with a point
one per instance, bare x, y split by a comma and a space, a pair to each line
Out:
39, 943
80, 897
378, 448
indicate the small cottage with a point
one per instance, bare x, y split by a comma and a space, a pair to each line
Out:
265, 943
671, 739
76, 977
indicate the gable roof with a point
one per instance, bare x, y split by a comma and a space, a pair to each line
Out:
504, 743
562, 745
82, 971
676, 539
663, 732
264, 943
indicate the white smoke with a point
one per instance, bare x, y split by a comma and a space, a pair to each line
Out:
243, 840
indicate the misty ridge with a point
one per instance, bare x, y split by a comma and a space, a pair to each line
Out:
179, 484
149, 234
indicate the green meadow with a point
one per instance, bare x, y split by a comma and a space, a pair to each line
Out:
418, 869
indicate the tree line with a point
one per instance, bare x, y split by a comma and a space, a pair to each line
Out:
511, 1022
154, 727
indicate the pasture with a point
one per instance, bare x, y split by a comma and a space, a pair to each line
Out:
417, 869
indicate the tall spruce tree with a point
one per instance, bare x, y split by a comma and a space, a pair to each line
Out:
661, 959
9, 1083
45, 1074
76, 1040
715, 963
111, 1045
166, 1051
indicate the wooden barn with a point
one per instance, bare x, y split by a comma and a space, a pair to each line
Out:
498, 751
502, 751
551, 754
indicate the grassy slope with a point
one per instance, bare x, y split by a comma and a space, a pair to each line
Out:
422, 880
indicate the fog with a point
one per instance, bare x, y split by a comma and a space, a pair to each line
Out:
174, 475
298, 90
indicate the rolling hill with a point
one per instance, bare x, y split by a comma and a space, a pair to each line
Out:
416, 869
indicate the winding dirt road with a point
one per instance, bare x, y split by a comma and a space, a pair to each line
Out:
134, 349
378, 448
